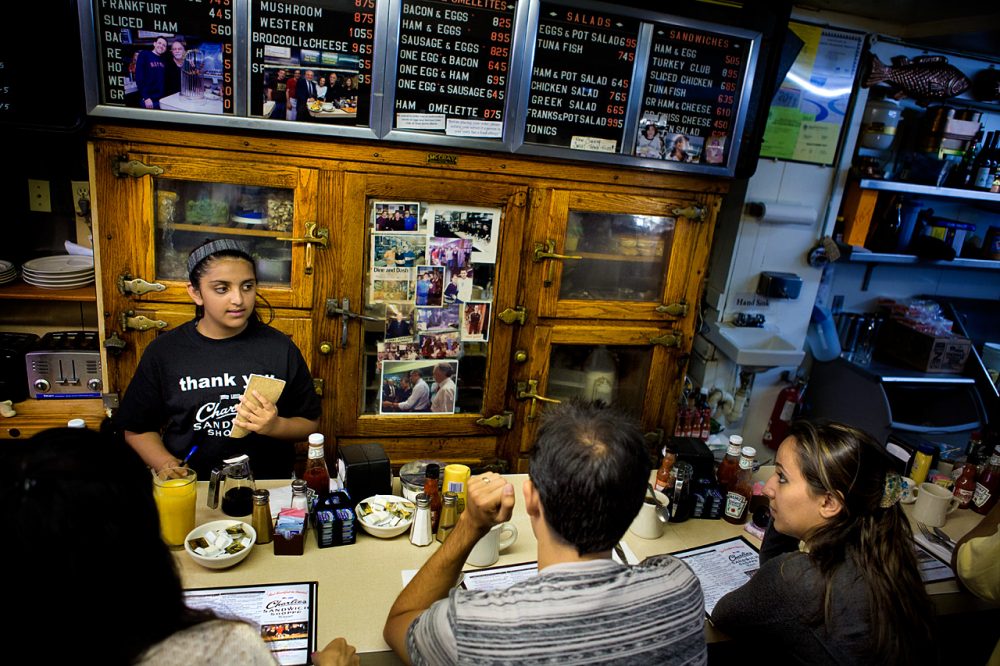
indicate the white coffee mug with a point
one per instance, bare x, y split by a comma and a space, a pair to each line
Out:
909, 487
646, 524
487, 549
934, 503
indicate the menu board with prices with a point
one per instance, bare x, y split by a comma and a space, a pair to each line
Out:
175, 56
581, 75
691, 95
311, 61
453, 66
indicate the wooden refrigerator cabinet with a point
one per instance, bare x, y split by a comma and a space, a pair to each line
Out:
523, 321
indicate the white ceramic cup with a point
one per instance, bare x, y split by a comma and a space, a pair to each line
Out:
934, 503
909, 495
487, 549
645, 524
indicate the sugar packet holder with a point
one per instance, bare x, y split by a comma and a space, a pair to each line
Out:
289, 532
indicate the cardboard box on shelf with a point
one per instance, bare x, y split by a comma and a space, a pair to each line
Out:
924, 351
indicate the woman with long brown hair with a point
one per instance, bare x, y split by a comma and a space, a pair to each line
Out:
838, 581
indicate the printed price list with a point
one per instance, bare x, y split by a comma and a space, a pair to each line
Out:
693, 79
453, 66
580, 79
172, 55
333, 39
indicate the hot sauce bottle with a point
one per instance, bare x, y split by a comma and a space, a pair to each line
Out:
663, 474
965, 486
731, 463
433, 492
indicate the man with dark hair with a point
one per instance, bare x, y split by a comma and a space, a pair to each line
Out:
586, 483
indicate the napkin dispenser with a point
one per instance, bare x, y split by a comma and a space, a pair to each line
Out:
366, 470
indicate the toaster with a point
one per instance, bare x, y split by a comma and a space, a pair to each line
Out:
65, 364
13, 379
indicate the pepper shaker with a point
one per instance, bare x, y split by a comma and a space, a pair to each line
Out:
261, 520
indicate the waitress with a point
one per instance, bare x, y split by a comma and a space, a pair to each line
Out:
188, 388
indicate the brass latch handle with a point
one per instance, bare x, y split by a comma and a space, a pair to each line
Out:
529, 391
134, 168
547, 250
516, 315
343, 310
503, 420
137, 286
679, 309
314, 236
692, 212
672, 339
114, 344
132, 321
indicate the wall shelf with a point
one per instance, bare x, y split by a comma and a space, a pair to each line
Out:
19, 291
872, 259
929, 190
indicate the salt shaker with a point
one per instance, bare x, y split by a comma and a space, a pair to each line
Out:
300, 494
420, 531
261, 520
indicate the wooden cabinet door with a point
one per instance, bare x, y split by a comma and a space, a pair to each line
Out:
413, 326
618, 256
149, 224
618, 364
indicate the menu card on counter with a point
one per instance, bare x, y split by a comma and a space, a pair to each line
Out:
580, 79
285, 613
691, 95
330, 43
453, 65
721, 567
174, 56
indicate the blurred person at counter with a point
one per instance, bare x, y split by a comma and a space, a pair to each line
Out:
93, 575
188, 388
150, 74
174, 65
838, 581
976, 560
587, 480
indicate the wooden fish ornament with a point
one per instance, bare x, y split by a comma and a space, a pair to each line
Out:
923, 78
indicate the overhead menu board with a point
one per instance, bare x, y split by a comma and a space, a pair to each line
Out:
453, 65
311, 61
168, 55
581, 75
691, 95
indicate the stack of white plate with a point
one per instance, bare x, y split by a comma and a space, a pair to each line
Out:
8, 271
62, 271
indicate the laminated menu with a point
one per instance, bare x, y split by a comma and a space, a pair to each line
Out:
285, 612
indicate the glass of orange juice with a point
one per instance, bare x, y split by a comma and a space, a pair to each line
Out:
175, 490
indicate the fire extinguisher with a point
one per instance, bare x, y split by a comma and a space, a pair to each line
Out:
783, 414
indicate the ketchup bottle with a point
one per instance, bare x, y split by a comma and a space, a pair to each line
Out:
988, 485
316, 475
738, 496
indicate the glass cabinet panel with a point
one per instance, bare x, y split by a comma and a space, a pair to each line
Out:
429, 291
616, 375
621, 257
187, 213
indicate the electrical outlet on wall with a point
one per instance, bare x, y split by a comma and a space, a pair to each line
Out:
39, 199
80, 194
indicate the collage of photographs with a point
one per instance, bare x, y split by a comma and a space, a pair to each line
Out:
432, 266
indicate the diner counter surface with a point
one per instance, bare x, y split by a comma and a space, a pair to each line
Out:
359, 582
